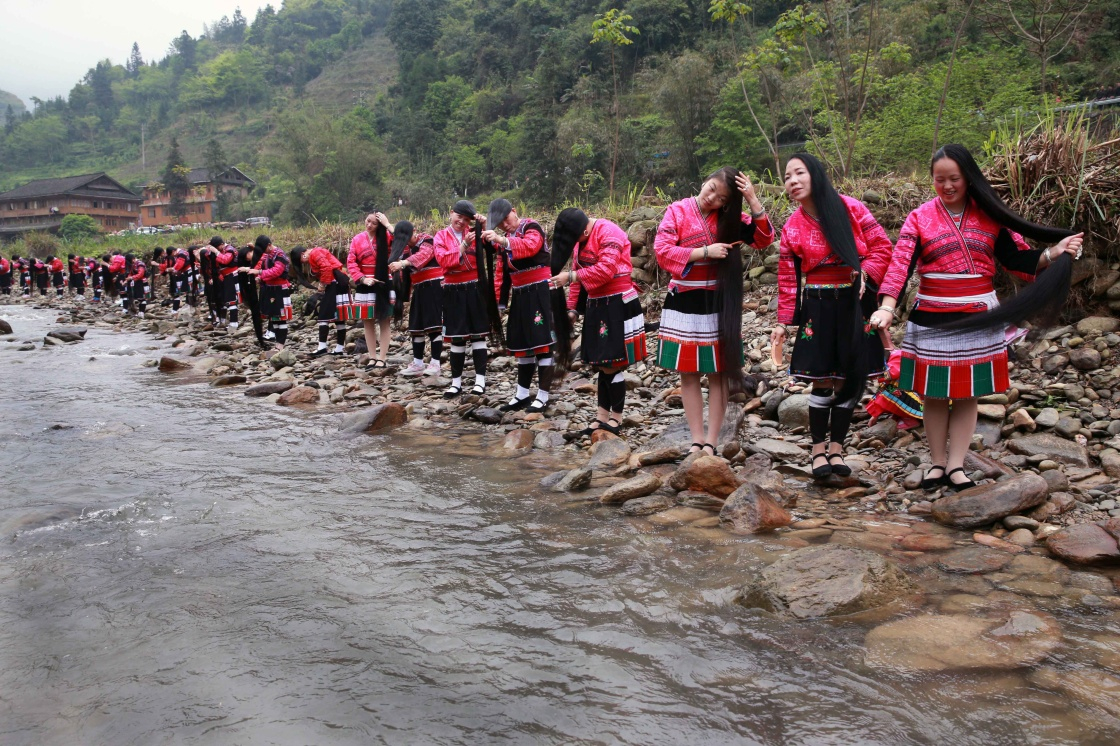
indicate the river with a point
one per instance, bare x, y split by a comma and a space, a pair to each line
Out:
179, 564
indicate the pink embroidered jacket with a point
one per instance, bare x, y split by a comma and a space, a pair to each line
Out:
601, 263
804, 250
931, 242
685, 228
362, 259
527, 256
422, 257
455, 269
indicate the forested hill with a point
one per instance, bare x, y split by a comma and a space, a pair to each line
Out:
11, 105
337, 106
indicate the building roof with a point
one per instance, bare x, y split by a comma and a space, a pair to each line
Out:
232, 175
72, 185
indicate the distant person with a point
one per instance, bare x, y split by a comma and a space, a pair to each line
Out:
77, 275
225, 257
368, 267
320, 266
275, 289
58, 275
466, 322
42, 274
6, 276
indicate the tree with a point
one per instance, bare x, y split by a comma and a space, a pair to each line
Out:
214, 158
135, 61
1046, 27
77, 227
611, 27
176, 180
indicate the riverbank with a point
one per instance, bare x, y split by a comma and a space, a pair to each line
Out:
854, 550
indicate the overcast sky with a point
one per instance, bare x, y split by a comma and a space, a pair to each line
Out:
46, 46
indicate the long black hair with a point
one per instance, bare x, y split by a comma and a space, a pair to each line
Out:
301, 272
484, 258
729, 276
1041, 300
402, 236
247, 257
570, 224
836, 225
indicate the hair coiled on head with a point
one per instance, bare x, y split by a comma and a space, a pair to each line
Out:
1042, 300
729, 275
836, 225
570, 225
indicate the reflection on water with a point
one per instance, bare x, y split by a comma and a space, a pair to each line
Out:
181, 565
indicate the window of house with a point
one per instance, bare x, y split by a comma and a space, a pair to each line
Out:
151, 212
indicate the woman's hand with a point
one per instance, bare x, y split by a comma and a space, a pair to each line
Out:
561, 280
778, 336
370, 280
881, 319
380, 217
398, 266
711, 251
746, 188
1070, 245
493, 237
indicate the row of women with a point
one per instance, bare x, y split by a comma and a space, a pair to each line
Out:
36, 274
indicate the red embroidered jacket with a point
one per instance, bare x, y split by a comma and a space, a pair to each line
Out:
226, 258
274, 268
56, 265
323, 263
138, 271
685, 228
527, 257
931, 242
601, 263
422, 257
447, 254
5, 266
804, 250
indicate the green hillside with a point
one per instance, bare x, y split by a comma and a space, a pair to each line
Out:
338, 106
12, 100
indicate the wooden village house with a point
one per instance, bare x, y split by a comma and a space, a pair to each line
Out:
200, 203
42, 204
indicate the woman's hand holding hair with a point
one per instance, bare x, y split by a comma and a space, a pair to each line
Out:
778, 336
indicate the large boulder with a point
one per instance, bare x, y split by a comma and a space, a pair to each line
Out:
779, 450
609, 454
518, 440
283, 359
794, 411
172, 365
1051, 446
630, 489
951, 642
5, 327
375, 419
751, 510
299, 395
702, 472
487, 415
68, 335
232, 379
268, 388
574, 480
1084, 544
826, 581
987, 503
1098, 324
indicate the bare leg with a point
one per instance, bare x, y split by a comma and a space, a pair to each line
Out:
936, 415
962, 426
717, 405
369, 329
383, 343
693, 399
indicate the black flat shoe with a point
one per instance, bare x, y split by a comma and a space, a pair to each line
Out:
825, 469
947, 480
841, 469
452, 392
517, 404
478, 390
537, 406
612, 429
320, 353
931, 483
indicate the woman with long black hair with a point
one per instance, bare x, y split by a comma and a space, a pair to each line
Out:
368, 267
698, 243
275, 290
955, 348
415, 253
466, 316
614, 335
835, 242
318, 265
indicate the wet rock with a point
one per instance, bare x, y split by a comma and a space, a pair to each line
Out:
680, 514
635, 487
661, 456
609, 454
575, 480
68, 335
996, 543
826, 581
601, 434
172, 365
779, 450
1050, 446
1084, 544
487, 415
1024, 537
228, 380
5, 327
702, 500
1016, 522
647, 505
1056, 480
283, 359
987, 503
374, 419
517, 440
548, 440
926, 542
751, 510
946, 642
268, 387
1089, 687
299, 395
702, 472
794, 411
991, 468
974, 561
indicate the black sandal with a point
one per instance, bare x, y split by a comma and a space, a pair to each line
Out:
928, 482
612, 429
948, 481
452, 391
709, 445
819, 472
698, 446
841, 469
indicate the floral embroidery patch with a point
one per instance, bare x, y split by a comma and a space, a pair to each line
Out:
807, 330
869, 330
602, 328
538, 319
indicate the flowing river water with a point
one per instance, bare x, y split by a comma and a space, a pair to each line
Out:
179, 564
